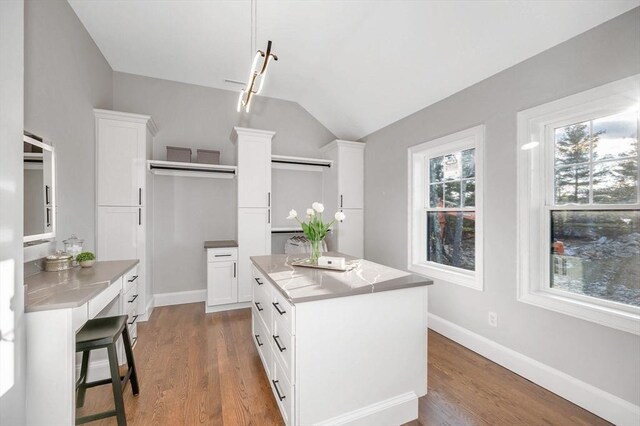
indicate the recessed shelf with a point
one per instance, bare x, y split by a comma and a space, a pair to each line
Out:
174, 168
300, 163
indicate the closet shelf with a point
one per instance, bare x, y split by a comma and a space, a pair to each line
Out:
174, 168
300, 163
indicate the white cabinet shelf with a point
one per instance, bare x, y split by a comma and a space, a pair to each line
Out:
174, 168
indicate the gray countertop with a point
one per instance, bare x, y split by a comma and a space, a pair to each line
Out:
301, 284
220, 244
73, 287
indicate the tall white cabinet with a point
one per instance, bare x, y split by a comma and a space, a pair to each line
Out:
253, 148
124, 193
343, 190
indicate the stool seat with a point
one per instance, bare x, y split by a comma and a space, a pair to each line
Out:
100, 331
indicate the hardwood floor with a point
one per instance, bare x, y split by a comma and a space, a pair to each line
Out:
196, 368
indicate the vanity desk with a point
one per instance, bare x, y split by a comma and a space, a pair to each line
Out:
57, 305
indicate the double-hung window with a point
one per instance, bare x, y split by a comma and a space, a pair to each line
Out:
445, 180
579, 210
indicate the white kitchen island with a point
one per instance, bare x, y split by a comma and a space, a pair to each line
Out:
341, 348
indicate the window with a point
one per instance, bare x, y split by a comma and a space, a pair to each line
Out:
579, 210
445, 205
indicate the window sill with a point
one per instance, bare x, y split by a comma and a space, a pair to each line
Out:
609, 317
469, 280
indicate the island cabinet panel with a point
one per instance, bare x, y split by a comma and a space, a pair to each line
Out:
359, 359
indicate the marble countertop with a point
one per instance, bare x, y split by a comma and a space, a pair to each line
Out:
220, 244
301, 284
73, 287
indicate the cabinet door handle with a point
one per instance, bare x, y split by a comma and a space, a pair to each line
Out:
269, 217
133, 278
280, 348
48, 217
275, 385
269, 199
277, 306
234, 269
47, 201
341, 204
258, 281
258, 340
139, 196
139, 216
135, 317
258, 306
134, 298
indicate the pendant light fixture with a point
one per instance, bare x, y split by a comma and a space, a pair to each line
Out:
258, 72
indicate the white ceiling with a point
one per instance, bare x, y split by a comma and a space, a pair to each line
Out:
356, 66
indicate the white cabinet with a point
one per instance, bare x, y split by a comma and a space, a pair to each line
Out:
123, 194
254, 202
343, 190
222, 276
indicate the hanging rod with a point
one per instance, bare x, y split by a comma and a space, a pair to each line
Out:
301, 161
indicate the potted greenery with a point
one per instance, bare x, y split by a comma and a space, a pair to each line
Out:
86, 259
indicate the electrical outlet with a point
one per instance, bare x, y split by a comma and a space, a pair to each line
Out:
493, 319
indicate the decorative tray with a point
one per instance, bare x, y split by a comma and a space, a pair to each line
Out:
307, 264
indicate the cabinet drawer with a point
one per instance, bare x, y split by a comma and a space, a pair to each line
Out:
283, 391
283, 347
130, 279
283, 312
261, 340
262, 304
131, 296
224, 254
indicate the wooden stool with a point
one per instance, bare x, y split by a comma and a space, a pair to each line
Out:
104, 333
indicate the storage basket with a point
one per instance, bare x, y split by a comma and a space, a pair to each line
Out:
208, 156
178, 154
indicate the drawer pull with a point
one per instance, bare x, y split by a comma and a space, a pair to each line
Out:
275, 385
133, 278
135, 317
277, 306
258, 340
258, 281
222, 255
258, 306
280, 348
134, 298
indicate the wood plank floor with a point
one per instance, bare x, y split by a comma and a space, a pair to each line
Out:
203, 369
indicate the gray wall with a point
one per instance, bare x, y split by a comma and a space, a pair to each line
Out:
603, 357
66, 76
13, 348
188, 211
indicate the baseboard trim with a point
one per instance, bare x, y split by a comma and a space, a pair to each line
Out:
179, 297
148, 311
589, 397
227, 307
399, 409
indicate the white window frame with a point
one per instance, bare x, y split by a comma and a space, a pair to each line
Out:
535, 201
418, 156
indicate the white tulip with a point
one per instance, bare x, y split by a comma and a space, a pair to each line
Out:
339, 216
292, 214
318, 207
310, 212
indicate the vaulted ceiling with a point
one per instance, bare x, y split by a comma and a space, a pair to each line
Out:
357, 66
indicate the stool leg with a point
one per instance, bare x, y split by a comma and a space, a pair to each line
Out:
131, 364
116, 384
82, 385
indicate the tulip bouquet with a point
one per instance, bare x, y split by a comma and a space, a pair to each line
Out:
314, 228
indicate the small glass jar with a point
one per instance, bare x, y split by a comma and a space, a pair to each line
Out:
73, 246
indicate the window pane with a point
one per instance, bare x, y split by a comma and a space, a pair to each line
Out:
435, 169
572, 144
469, 193
572, 185
597, 253
615, 136
451, 239
452, 194
452, 166
615, 182
435, 195
468, 163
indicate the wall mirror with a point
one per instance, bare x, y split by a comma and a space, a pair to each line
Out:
39, 190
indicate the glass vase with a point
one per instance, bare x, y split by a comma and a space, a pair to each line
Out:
316, 250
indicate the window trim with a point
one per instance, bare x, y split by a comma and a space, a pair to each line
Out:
465, 139
535, 186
